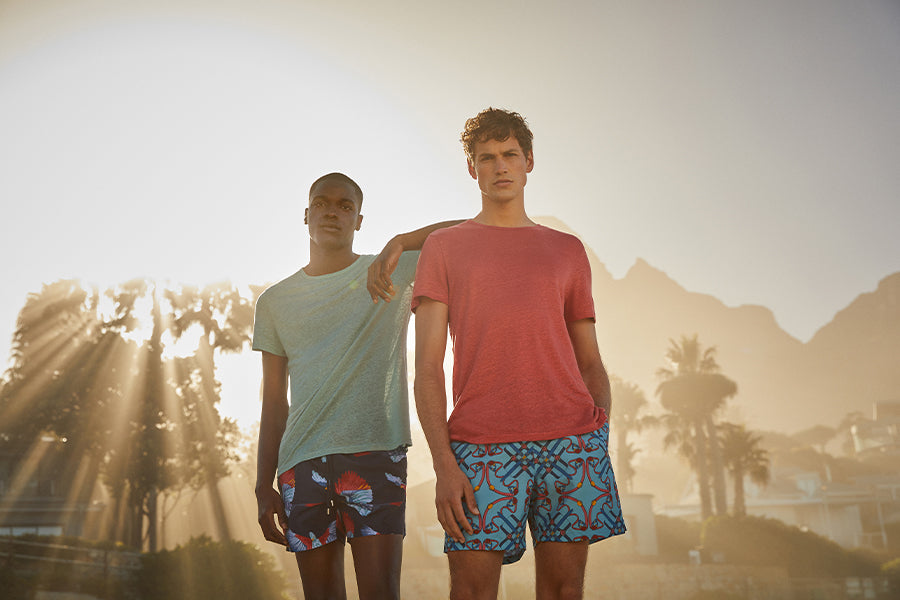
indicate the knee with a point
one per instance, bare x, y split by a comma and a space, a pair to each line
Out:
560, 590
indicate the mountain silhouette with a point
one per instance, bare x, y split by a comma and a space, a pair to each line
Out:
783, 384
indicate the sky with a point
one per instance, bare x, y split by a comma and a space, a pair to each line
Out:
747, 149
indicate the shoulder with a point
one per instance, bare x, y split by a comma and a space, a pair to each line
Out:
276, 289
453, 232
561, 239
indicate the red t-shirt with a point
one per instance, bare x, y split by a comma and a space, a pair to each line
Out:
510, 293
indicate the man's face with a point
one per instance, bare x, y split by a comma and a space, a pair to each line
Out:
501, 169
333, 214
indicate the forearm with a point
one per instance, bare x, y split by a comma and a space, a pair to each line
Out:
413, 240
597, 381
271, 429
431, 407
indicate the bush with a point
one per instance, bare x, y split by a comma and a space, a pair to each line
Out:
675, 537
891, 571
207, 570
760, 541
14, 585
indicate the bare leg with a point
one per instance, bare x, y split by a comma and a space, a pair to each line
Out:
474, 574
322, 572
559, 570
377, 559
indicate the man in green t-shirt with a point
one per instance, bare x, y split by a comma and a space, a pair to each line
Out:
338, 450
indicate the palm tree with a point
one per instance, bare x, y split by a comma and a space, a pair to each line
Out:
693, 389
630, 401
743, 456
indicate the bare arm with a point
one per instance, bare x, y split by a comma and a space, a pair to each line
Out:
271, 427
453, 487
587, 353
379, 281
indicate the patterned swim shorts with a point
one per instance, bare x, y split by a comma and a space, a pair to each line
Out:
564, 488
342, 496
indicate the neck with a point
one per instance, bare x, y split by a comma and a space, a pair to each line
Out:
323, 262
509, 214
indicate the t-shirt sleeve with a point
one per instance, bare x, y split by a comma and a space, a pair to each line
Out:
431, 274
579, 299
406, 269
265, 335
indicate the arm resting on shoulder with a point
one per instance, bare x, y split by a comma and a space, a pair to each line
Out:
584, 341
379, 281
271, 427
452, 488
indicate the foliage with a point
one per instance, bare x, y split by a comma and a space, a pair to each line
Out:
816, 436
891, 570
693, 391
675, 537
768, 542
207, 570
742, 455
629, 402
15, 584
88, 368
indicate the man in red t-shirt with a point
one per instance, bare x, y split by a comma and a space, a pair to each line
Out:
526, 441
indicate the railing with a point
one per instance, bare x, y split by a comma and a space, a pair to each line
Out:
14, 549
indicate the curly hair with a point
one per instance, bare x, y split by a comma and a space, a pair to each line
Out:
496, 124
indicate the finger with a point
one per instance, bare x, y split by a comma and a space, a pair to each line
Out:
282, 517
386, 283
459, 515
451, 527
469, 496
271, 532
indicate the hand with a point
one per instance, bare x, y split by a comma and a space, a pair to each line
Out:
270, 506
379, 281
452, 492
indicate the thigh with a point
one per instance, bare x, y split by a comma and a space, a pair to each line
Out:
377, 560
322, 572
502, 486
474, 574
559, 569
576, 497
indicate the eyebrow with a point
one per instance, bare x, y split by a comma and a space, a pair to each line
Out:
341, 199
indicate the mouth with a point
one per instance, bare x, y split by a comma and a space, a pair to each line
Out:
503, 182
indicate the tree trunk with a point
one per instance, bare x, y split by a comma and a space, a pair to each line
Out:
740, 508
152, 518
702, 471
717, 467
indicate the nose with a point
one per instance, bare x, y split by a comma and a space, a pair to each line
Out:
501, 165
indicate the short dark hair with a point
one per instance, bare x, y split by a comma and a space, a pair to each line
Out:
496, 124
341, 178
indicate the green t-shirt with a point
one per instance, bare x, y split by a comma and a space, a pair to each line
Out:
346, 360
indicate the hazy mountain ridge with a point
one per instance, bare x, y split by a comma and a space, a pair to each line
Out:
783, 384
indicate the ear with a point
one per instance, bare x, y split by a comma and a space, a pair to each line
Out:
306, 216
359, 222
529, 162
472, 169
